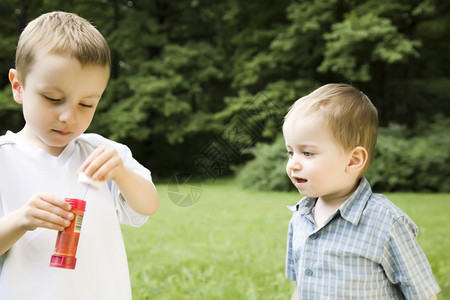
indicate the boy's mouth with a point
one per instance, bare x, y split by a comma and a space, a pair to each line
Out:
61, 132
298, 182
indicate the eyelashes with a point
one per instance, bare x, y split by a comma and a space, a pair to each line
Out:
290, 154
57, 101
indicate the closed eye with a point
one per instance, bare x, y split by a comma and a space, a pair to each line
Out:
52, 99
86, 105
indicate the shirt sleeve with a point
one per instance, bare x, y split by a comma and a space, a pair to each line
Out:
2, 214
405, 263
290, 264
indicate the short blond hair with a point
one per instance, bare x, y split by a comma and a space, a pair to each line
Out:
348, 113
61, 33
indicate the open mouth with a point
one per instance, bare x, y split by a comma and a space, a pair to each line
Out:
298, 182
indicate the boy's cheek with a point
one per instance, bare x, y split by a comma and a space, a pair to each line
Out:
288, 172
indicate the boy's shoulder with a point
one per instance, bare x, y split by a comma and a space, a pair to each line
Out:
7, 138
383, 204
95, 140
364, 205
381, 210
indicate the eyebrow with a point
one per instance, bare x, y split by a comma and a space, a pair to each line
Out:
302, 146
43, 88
95, 96
49, 87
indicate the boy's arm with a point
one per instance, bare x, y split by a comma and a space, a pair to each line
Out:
433, 298
10, 231
43, 210
105, 163
403, 255
139, 192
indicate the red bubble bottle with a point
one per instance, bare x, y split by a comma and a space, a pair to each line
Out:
67, 240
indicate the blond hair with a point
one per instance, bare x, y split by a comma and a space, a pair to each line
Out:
61, 33
348, 113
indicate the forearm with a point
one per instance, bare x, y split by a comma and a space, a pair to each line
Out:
139, 192
10, 231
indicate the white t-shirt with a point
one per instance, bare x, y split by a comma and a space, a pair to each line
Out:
101, 270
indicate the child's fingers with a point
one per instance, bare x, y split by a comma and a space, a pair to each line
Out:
103, 163
94, 161
87, 164
107, 170
45, 219
47, 211
53, 200
55, 205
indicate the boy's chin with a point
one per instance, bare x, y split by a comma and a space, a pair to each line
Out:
306, 193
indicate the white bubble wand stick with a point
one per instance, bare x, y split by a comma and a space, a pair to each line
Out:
89, 182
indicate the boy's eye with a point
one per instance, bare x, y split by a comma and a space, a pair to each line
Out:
307, 154
52, 99
86, 105
289, 154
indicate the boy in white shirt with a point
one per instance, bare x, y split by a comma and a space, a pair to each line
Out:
62, 69
345, 242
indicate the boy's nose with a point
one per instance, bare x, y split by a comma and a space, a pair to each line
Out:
67, 115
294, 164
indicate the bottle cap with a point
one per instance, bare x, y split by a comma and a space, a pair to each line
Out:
76, 204
63, 261
83, 178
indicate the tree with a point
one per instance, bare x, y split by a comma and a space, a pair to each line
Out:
186, 73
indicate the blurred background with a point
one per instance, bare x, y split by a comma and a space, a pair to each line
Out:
201, 87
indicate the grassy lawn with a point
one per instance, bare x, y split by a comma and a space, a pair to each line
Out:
231, 244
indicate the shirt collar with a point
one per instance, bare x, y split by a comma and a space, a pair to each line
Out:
351, 210
304, 206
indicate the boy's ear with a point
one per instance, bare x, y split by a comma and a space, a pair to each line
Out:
357, 159
16, 86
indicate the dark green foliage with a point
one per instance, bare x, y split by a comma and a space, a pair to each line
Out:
412, 160
183, 71
391, 167
267, 171
11, 117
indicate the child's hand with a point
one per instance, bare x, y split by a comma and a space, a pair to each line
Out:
103, 164
46, 211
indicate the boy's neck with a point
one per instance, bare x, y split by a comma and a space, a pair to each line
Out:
327, 205
25, 135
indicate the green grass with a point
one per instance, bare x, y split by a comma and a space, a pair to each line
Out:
231, 244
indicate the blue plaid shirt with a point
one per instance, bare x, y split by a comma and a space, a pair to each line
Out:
366, 250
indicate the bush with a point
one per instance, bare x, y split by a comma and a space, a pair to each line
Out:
267, 171
412, 160
404, 160
391, 168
